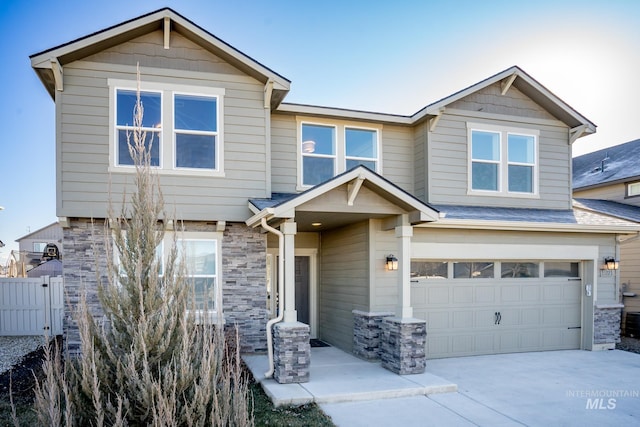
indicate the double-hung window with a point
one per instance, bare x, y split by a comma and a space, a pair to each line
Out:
183, 126
502, 161
327, 149
633, 189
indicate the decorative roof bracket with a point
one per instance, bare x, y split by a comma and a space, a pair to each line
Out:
167, 32
353, 188
505, 85
57, 74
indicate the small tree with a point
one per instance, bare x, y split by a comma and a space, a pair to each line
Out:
149, 362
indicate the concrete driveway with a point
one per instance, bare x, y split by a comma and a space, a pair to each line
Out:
559, 388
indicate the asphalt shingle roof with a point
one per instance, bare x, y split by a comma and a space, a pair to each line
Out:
607, 165
607, 207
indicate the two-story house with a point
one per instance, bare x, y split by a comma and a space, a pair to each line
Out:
448, 232
607, 181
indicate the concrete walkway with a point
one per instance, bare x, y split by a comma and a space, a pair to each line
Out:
560, 388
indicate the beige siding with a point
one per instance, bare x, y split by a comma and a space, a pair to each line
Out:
344, 282
284, 166
448, 150
84, 131
630, 274
420, 161
613, 192
384, 288
396, 142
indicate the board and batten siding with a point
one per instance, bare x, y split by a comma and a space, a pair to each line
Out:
84, 182
448, 166
344, 282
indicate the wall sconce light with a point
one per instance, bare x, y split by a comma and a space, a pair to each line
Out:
392, 263
611, 263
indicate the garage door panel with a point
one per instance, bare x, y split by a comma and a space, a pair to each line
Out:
485, 294
535, 314
438, 295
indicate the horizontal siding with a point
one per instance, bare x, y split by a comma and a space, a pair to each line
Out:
614, 192
84, 132
419, 161
284, 167
397, 154
344, 282
630, 274
448, 166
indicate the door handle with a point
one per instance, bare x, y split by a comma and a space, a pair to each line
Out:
497, 318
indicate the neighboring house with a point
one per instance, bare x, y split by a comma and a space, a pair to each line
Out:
41, 245
449, 232
607, 181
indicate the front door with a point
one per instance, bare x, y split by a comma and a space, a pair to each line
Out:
302, 288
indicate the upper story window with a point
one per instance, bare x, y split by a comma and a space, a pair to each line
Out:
183, 127
633, 189
330, 148
502, 161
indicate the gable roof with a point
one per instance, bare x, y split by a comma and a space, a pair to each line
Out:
284, 205
607, 166
46, 62
513, 76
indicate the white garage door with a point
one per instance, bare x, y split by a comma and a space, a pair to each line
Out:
486, 315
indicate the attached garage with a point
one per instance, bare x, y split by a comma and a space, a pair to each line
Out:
487, 307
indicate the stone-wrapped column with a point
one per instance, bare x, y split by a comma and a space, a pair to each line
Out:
403, 345
291, 352
606, 325
366, 333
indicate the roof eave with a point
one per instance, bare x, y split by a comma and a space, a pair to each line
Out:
529, 226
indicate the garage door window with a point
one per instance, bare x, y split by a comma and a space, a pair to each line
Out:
519, 270
561, 269
429, 269
473, 270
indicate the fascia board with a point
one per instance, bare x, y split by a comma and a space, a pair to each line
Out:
530, 226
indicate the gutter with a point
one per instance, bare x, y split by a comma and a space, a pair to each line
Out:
275, 320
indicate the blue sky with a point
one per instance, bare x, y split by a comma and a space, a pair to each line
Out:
386, 56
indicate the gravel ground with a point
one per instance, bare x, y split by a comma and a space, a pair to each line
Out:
13, 350
629, 344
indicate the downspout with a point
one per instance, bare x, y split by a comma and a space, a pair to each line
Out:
270, 323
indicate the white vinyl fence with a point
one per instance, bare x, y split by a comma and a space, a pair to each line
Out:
31, 306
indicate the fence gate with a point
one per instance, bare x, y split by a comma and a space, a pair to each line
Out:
31, 306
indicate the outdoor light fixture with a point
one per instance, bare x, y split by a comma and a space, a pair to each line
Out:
392, 263
308, 146
611, 263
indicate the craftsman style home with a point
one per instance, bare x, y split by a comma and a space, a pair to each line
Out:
448, 232
607, 182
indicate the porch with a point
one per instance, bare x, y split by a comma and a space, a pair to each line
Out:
336, 376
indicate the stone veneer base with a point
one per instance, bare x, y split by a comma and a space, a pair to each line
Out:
403, 345
291, 352
366, 333
606, 324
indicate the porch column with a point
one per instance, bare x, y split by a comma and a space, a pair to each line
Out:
404, 234
289, 229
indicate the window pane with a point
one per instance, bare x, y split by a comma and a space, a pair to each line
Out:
472, 270
195, 151
633, 189
361, 143
204, 292
316, 170
322, 136
521, 179
521, 149
195, 113
484, 176
199, 255
561, 269
429, 269
151, 102
520, 269
351, 163
485, 145
124, 158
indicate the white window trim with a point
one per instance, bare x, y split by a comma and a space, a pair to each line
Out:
628, 189
213, 316
366, 159
503, 163
167, 148
340, 161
